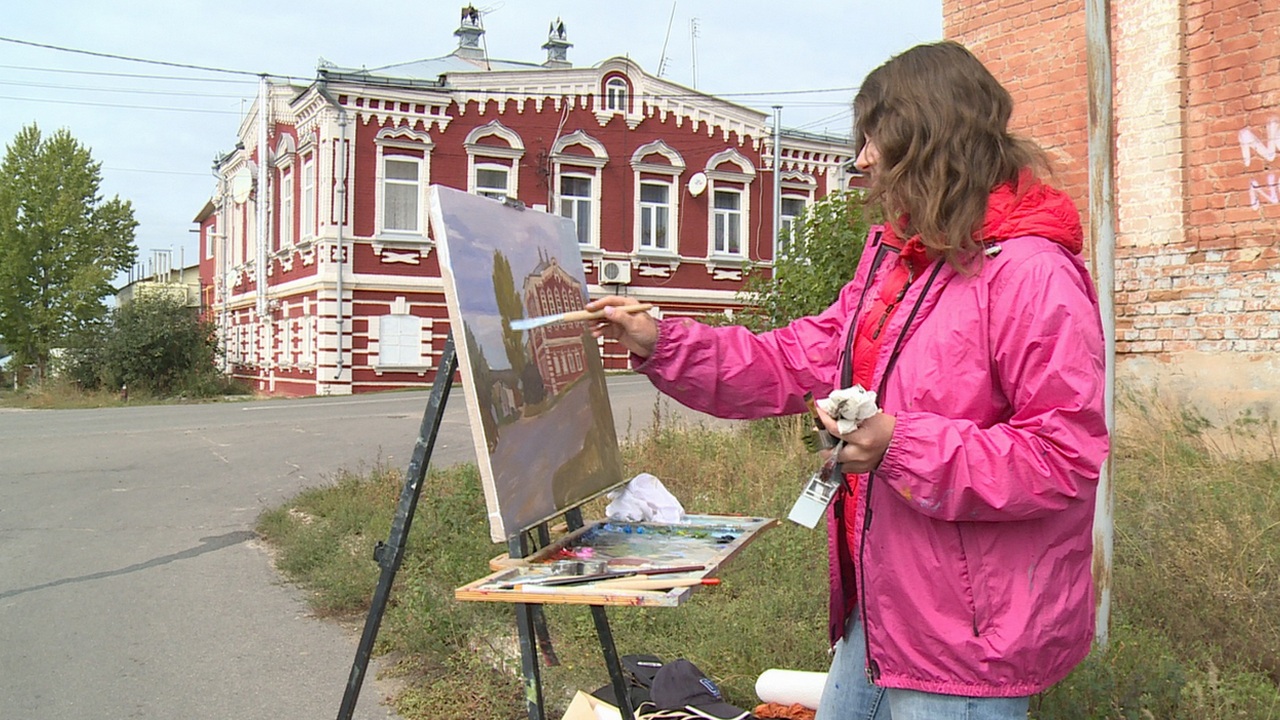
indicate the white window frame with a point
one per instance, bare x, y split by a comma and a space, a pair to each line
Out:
787, 222
732, 230
307, 227
386, 183
796, 186
286, 154
617, 94
577, 164
485, 156
652, 208
286, 238
647, 169
403, 144
722, 176
489, 191
582, 208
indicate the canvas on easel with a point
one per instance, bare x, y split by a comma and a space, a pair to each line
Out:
537, 401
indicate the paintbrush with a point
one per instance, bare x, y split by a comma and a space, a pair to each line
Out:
574, 316
612, 575
653, 583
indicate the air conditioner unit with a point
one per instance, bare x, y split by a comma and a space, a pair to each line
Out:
615, 272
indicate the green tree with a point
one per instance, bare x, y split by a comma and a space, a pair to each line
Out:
510, 307
159, 345
819, 259
60, 243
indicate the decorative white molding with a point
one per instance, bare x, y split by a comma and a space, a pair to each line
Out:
723, 274
660, 271
390, 257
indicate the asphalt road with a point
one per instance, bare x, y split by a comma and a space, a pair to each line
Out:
131, 583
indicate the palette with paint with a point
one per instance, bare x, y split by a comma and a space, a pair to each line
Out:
613, 552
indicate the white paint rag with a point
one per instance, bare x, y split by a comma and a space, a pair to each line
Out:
644, 499
850, 407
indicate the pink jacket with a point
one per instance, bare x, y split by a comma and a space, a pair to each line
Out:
975, 545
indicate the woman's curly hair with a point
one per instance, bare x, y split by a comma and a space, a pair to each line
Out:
940, 121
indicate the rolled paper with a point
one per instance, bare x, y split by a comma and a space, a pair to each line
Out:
789, 687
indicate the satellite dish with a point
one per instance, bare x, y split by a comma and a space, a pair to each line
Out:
697, 184
241, 184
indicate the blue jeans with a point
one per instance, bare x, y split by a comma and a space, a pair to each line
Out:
849, 695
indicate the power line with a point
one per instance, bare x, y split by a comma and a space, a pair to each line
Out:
116, 105
120, 90
126, 58
143, 76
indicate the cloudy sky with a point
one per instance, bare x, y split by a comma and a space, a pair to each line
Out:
157, 127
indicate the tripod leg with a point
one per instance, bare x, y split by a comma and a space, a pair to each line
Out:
529, 661
390, 554
574, 519
539, 617
612, 662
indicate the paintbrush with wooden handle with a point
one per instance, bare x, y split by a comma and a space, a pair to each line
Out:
574, 316
653, 583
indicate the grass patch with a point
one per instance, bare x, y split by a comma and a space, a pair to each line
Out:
65, 395
1196, 606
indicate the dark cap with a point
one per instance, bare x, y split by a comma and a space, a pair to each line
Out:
680, 685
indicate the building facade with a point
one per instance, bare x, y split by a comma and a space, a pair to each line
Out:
1197, 131
320, 265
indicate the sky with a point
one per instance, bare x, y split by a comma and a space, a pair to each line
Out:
156, 128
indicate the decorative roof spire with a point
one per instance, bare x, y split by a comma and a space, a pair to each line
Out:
557, 46
470, 31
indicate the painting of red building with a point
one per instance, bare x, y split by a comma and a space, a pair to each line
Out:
321, 272
556, 348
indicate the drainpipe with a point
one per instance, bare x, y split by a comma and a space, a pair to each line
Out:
341, 176
260, 277
223, 224
1102, 230
777, 182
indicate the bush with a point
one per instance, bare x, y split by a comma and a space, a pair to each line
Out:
154, 345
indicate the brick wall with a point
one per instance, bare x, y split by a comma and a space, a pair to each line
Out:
1036, 49
1197, 110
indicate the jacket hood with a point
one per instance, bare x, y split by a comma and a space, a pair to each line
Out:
1027, 207
1033, 208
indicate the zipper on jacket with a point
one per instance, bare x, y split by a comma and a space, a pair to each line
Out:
872, 667
888, 309
851, 333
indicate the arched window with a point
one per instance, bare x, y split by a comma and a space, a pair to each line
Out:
403, 171
615, 94
493, 160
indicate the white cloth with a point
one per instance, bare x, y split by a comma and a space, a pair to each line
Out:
644, 499
849, 407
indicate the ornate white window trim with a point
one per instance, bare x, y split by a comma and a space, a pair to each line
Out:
565, 165
481, 155
671, 174
724, 265
402, 144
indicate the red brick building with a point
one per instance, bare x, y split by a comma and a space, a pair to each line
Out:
1197, 110
318, 263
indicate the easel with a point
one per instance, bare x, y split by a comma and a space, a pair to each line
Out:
530, 622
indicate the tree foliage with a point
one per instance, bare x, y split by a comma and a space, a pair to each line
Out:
61, 244
819, 259
510, 308
154, 344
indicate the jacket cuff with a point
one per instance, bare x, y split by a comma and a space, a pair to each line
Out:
655, 359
